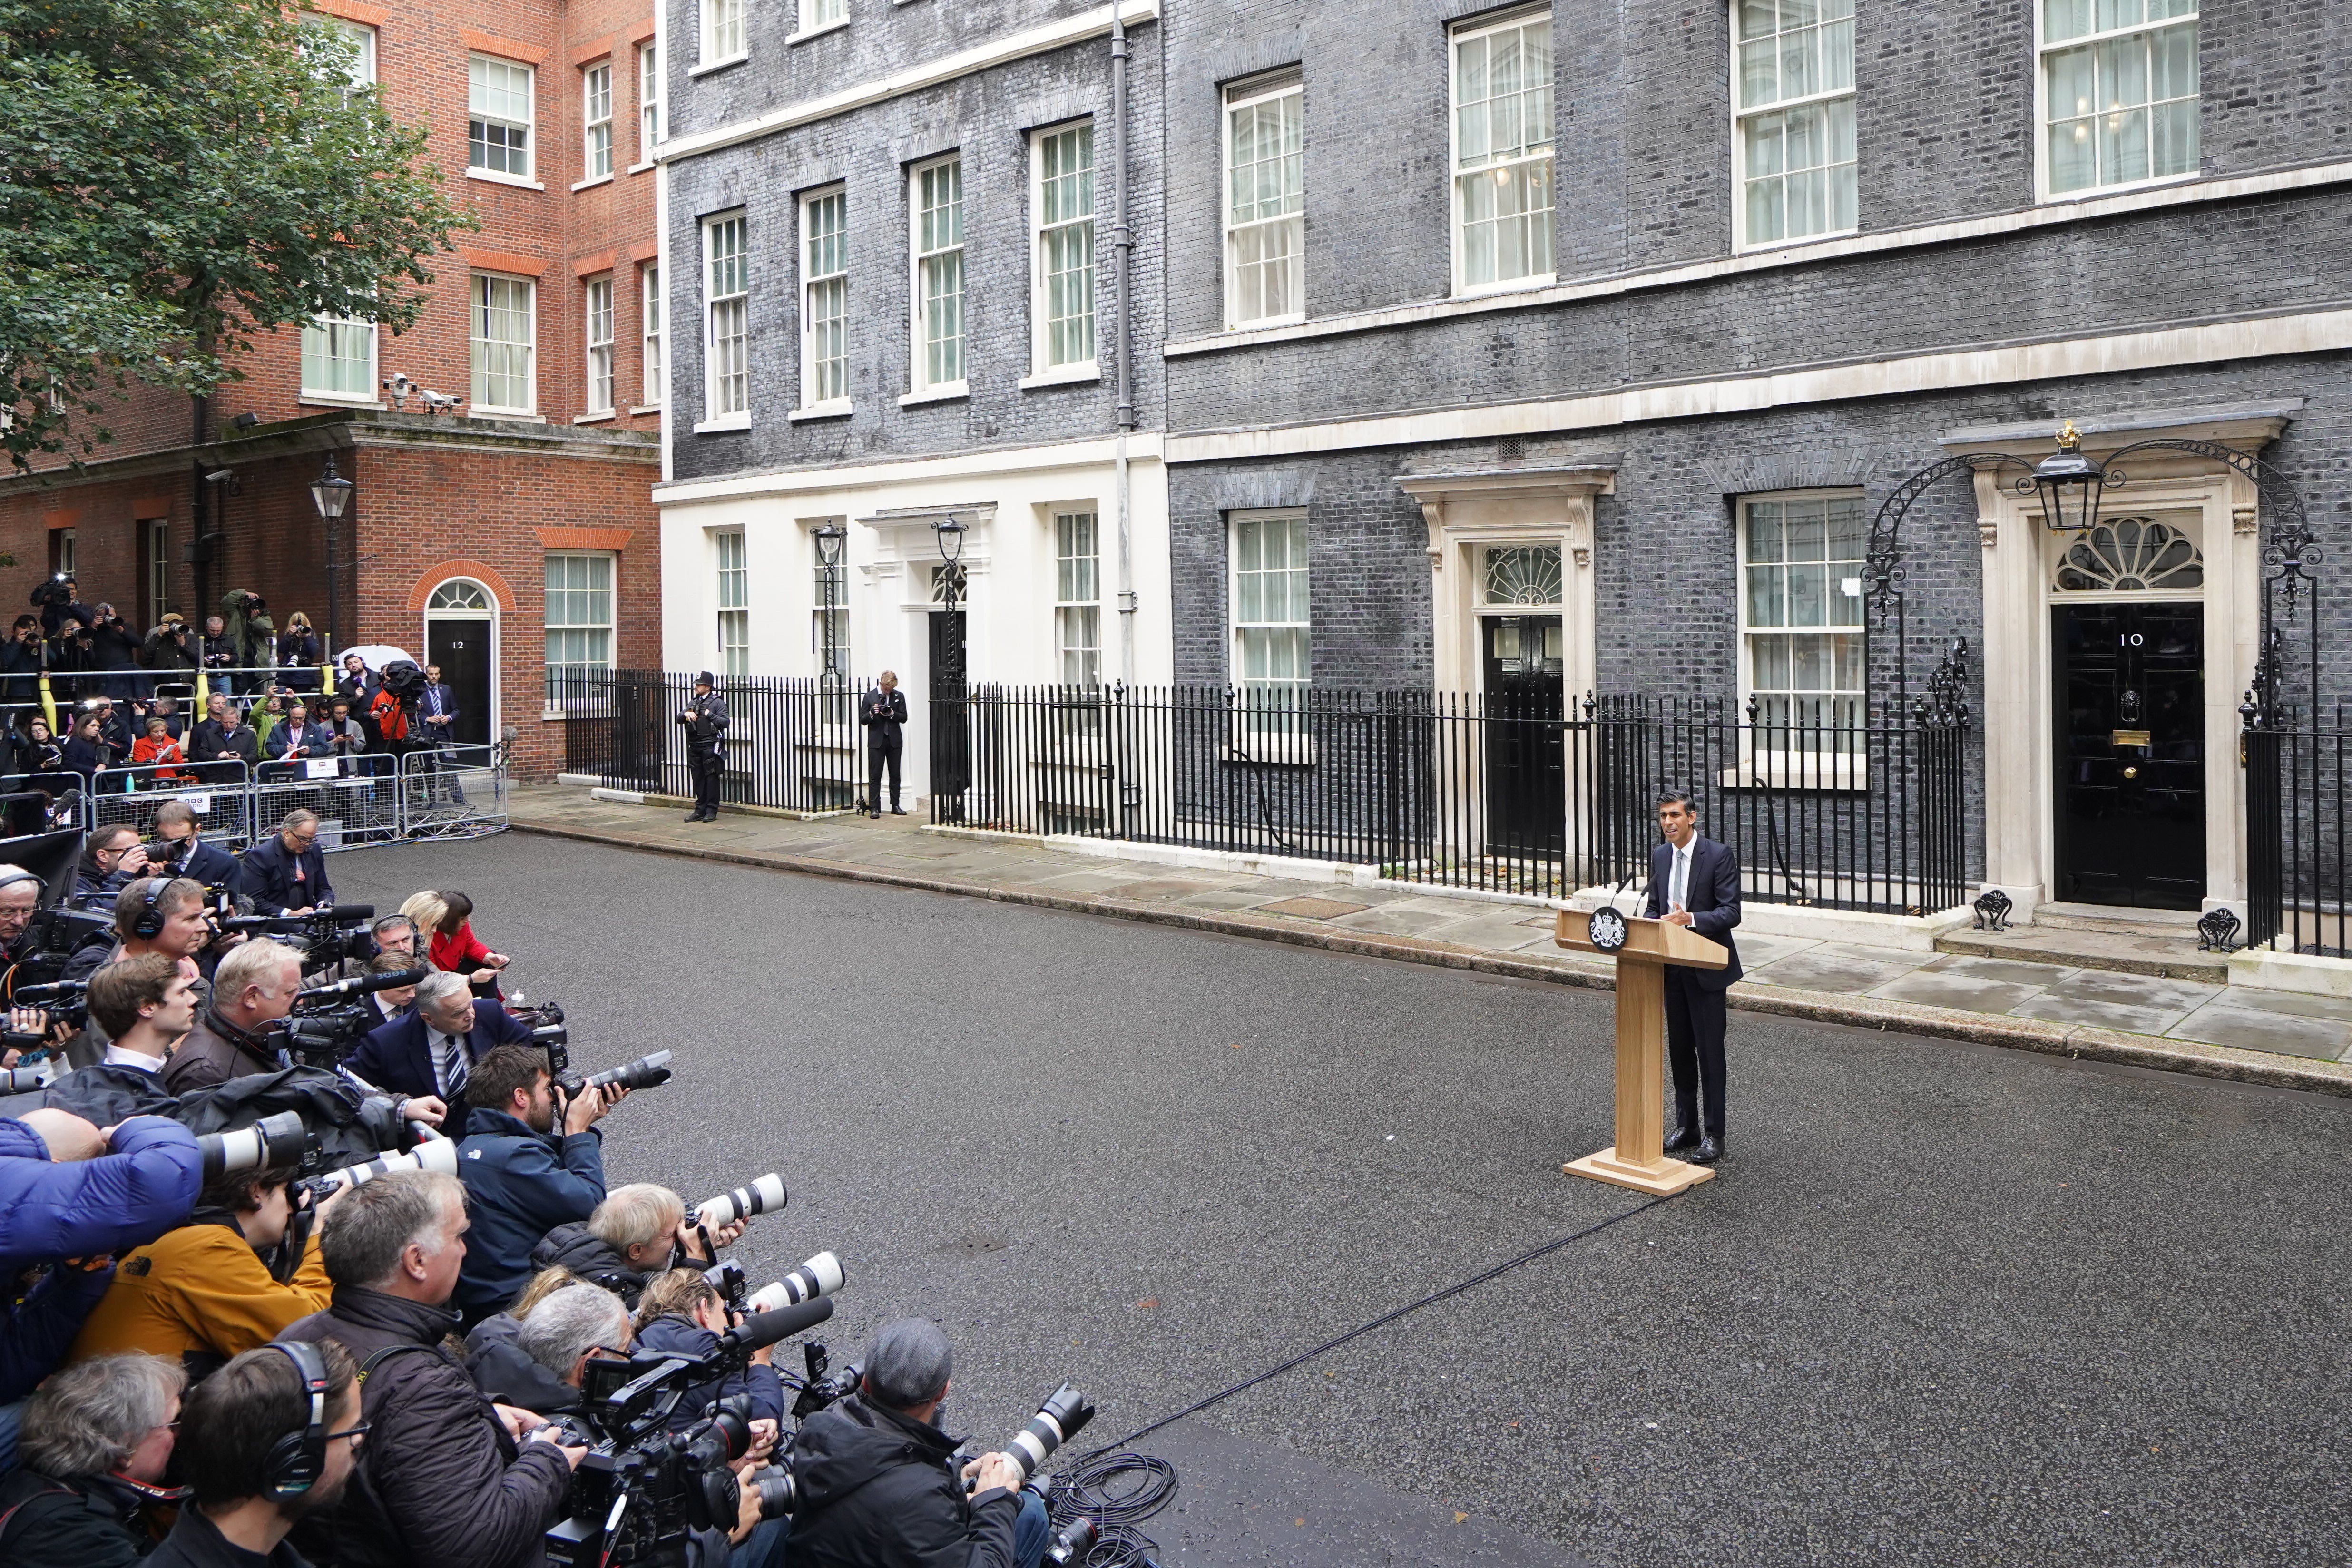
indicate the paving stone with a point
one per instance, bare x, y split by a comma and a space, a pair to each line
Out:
2254, 1030
2005, 971
2293, 1003
1963, 993
2141, 1004
1314, 908
1832, 966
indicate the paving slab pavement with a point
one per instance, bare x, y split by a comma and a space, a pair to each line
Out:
2080, 1007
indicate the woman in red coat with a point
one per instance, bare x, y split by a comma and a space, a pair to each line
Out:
454, 946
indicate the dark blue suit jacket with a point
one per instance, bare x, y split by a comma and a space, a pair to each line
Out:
1712, 897
394, 1057
214, 867
269, 868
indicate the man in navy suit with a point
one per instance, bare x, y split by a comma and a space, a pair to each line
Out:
434, 1048
436, 713
1695, 882
286, 873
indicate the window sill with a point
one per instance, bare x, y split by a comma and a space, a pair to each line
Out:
598, 179
817, 32
640, 168
1516, 285
491, 177
339, 400
1062, 375
552, 715
646, 408
946, 391
1758, 247
512, 415
832, 408
723, 422
593, 418
1295, 317
706, 66
2093, 193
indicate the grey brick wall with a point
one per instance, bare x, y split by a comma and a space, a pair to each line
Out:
987, 117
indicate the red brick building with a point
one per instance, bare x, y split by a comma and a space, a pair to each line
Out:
514, 531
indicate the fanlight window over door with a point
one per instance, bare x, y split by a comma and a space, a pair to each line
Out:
1522, 575
459, 594
2131, 555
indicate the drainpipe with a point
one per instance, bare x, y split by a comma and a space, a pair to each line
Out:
1122, 239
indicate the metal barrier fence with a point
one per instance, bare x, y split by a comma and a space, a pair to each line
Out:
449, 792
1504, 792
2298, 860
54, 693
790, 744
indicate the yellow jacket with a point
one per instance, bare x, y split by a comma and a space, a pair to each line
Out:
201, 1288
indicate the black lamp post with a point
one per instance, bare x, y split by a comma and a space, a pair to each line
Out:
2070, 484
831, 539
951, 532
331, 494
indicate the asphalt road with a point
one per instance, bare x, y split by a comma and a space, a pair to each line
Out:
1946, 1304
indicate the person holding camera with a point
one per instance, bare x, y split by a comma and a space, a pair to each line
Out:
882, 713
253, 988
535, 1357
877, 1483
451, 1479
272, 1439
706, 721
202, 1294
683, 1314
22, 658
638, 1232
70, 1189
112, 859
217, 655
179, 840
434, 1049
95, 1442
299, 652
522, 1178
286, 873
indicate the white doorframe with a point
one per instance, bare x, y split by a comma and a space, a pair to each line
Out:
496, 617
1466, 512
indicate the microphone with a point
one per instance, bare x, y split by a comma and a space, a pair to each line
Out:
363, 984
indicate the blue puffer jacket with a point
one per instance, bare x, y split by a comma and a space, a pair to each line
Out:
521, 1183
111, 1204
672, 1335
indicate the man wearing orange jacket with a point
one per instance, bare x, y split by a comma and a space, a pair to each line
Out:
201, 1293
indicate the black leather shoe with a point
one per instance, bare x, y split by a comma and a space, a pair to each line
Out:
1683, 1138
897, 811
693, 817
1708, 1152
875, 814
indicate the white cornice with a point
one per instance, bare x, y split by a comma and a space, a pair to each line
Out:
2205, 344
1055, 35
1895, 239
1142, 447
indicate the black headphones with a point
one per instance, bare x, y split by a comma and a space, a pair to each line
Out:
150, 923
296, 1459
20, 875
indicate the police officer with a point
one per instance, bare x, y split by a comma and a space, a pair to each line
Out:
706, 723
883, 711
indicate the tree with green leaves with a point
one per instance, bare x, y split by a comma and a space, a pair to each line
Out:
178, 177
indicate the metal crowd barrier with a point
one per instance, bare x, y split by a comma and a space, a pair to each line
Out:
434, 792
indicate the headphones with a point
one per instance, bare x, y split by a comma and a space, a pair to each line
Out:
12, 877
150, 923
296, 1460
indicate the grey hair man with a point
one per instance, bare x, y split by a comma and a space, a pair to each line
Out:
432, 1050
572, 1327
451, 1480
635, 1234
94, 1440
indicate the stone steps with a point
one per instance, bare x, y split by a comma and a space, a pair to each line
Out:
2133, 945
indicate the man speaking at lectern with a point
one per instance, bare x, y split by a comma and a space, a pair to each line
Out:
1695, 882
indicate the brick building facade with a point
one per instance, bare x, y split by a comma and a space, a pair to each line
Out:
539, 119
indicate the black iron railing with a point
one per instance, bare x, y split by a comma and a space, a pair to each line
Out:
1501, 792
2298, 859
790, 744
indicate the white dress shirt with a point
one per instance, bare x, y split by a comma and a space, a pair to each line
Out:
124, 1057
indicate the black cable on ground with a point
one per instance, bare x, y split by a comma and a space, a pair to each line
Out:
1093, 1489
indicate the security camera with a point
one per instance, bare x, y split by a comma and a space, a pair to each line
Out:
440, 402
401, 388
220, 476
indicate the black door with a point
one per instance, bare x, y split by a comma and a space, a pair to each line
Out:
462, 650
2131, 753
950, 748
1526, 800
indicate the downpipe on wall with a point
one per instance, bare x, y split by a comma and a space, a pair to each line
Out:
1122, 239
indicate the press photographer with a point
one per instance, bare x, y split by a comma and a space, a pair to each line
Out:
179, 850
683, 1314
638, 1232
94, 1445
543, 1378
153, 915
205, 1292
253, 987
522, 1179
434, 1049
875, 1480
70, 1189
451, 1480
112, 859
272, 1439
287, 872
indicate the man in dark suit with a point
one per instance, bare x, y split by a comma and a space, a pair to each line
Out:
1695, 882
287, 872
432, 1050
191, 856
436, 716
883, 713
705, 719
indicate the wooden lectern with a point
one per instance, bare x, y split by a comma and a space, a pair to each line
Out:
1638, 1158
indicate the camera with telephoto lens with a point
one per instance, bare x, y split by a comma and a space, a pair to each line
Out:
758, 1198
434, 1154
1060, 1417
61, 1003
284, 1137
55, 593
643, 1488
644, 1073
819, 1276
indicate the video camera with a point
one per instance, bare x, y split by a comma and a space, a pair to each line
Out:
61, 1003
642, 1488
324, 1028
52, 937
322, 937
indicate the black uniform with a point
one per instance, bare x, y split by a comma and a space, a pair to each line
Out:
705, 750
882, 713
